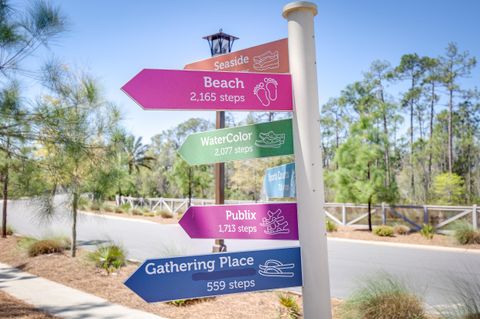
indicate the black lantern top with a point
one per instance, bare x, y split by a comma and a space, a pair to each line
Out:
220, 43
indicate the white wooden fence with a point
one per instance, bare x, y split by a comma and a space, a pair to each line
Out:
341, 213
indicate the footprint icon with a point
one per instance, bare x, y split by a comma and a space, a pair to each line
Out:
271, 87
262, 94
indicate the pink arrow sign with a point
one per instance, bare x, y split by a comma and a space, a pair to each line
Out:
249, 221
207, 90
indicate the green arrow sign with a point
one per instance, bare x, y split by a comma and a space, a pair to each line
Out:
243, 142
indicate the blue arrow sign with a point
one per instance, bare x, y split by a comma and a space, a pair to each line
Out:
216, 274
279, 181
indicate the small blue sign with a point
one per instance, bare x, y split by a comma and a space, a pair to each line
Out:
279, 181
216, 274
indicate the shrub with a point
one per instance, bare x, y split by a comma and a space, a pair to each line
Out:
464, 298
401, 229
427, 231
382, 297
10, 230
149, 214
110, 257
46, 246
95, 207
136, 211
330, 226
166, 214
383, 231
464, 233
108, 208
125, 206
119, 210
291, 305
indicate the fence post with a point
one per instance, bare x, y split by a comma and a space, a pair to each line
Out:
384, 214
425, 215
474, 217
344, 214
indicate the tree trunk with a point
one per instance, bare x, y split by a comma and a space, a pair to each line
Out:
430, 150
5, 192
450, 133
370, 214
5, 200
74, 224
412, 178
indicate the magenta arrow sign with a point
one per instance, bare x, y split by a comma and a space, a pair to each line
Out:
249, 221
207, 90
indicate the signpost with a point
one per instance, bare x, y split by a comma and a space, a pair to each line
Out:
247, 221
279, 181
216, 274
206, 90
270, 57
243, 142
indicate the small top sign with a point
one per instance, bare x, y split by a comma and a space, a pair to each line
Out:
271, 57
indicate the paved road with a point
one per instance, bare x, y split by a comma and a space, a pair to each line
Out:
429, 271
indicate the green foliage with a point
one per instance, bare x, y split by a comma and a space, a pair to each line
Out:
427, 231
291, 305
119, 210
401, 229
383, 231
382, 297
448, 189
108, 208
464, 233
95, 206
109, 257
125, 206
330, 226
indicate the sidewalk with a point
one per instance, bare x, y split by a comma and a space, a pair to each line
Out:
60, 300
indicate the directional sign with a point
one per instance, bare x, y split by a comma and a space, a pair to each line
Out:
279, 181
216, 274
246, 221
270, 57
243, 142
206, 90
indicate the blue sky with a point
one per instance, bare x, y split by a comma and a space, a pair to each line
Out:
115, 39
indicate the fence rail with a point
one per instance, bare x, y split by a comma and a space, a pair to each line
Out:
344, 214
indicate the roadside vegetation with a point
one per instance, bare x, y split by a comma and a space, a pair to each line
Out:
382, 296
109, 257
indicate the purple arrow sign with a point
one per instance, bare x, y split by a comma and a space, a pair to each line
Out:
207, 90
249, 221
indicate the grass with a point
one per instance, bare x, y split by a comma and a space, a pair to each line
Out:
464, 233
108, 257
290, 304
136, 212
427, 231
465, 296
35, 247
166, 214
383, 231
382, 297
330, 226
401, 229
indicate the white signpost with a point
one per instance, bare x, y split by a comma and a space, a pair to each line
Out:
308, 159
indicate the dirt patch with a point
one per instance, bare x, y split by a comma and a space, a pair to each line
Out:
412, 238
14, 308
81, 274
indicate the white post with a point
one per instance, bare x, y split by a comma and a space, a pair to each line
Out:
308, 160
